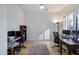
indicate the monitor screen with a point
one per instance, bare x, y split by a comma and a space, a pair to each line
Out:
11, 33
75, 32
67, 32
18, 33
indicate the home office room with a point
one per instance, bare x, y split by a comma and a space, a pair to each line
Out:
39, 29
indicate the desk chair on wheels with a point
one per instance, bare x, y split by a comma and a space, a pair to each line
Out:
57, 40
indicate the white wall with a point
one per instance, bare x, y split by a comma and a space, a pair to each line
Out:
37, 24
3, 30
10, 19
15, 17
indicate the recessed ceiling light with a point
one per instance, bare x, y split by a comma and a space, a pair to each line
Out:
42, 6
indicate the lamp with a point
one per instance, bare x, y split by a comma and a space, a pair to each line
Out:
57, 21
58, 26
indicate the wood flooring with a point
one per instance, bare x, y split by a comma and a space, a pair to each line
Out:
50, 44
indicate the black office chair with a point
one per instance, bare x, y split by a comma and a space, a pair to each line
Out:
57, 40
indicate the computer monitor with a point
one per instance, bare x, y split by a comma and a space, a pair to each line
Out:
18, 33
75, 32
67, 32
11, 33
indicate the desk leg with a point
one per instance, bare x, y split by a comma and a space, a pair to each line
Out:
69, 50
60, 48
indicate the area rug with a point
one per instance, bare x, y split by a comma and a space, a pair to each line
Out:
39, 49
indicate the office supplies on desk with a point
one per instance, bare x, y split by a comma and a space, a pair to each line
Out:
70, 40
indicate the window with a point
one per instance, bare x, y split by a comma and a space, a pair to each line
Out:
78, 20
65, 23
70, 22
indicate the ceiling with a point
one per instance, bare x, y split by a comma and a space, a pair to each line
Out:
36, 7
53, 9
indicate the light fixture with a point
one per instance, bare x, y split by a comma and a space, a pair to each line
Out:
57, 19
42, 6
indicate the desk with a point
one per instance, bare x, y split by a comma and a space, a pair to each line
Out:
13, 46
69, 43
12, 43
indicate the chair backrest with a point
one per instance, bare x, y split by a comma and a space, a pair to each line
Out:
56, 37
